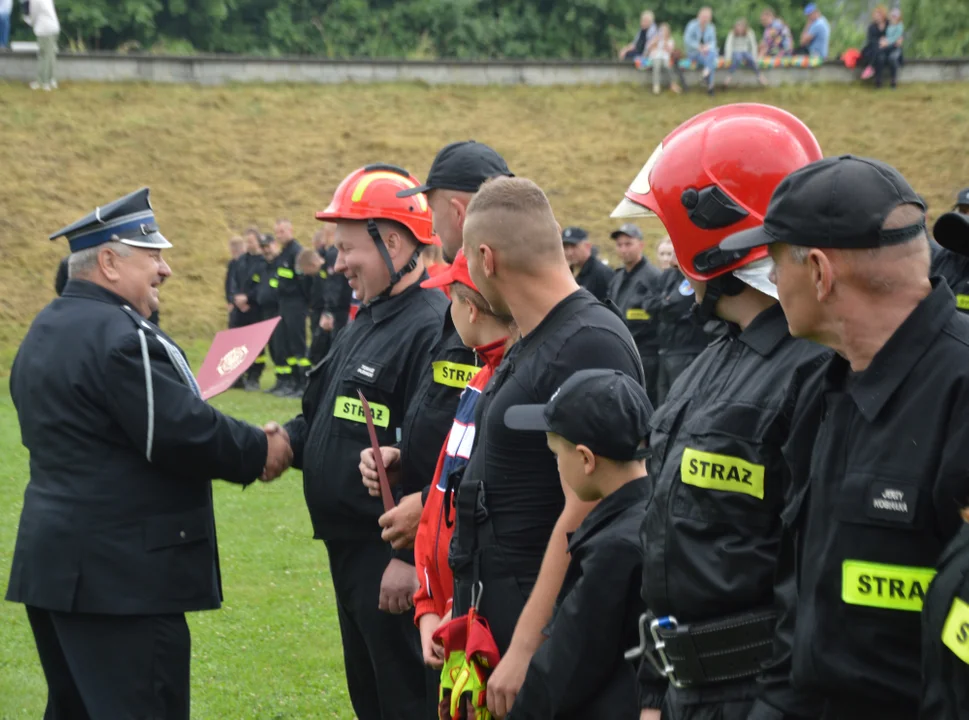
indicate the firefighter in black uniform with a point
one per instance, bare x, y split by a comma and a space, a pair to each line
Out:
954, 266
681, 336
251, 269
383, 354
234, 274
632, 286
329, 294
716, 557
107, 567
266, 295
294, 294
884, 444
590, 272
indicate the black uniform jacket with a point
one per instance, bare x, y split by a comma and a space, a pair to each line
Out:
294, 287
889, 453
631, 290
594, 276
945, 635
336, 292
579, 671
384, 353
117, 514
672, 304
955, 269
712, 532
252, 270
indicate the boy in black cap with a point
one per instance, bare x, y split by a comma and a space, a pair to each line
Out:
590, 272
884, 434
597, 423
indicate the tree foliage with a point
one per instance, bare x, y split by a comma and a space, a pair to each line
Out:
457, 28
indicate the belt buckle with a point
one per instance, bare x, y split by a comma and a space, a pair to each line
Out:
655, 654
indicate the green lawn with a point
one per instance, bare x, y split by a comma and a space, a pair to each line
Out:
272, 652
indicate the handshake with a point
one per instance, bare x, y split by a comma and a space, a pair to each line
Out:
279, 455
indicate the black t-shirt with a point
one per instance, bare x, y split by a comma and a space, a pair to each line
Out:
523, 493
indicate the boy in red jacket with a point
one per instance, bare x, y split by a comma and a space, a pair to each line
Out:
488, 335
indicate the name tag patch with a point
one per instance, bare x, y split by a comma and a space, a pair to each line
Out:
891, 587
962, 302
453, 374
955, 632
366, 371
637, 314
892, 501
348, 408
722, 472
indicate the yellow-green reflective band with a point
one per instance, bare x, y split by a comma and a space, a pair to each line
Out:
955, 632
255, 278
285, 273
323, 274
292, 361
260, 360
722, 472
637, 314
892, 587
283, 370
962, 301
274, 283
453, 374
348, 408
304, 362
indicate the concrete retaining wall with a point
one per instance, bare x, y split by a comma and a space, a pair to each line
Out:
220, 69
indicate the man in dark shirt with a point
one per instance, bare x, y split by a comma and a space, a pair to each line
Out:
590, 272
381, 354
631, 288
715, 551
954, 266
513, 514
293, 290
885, 442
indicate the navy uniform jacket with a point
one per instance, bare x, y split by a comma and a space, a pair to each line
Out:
955, 269
383, 353
293, 288
631, 290
594, 276
945, 635
110, 525
579, 672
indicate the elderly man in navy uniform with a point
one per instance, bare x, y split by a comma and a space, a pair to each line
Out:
117, 536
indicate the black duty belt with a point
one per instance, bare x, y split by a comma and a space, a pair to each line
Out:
706, 653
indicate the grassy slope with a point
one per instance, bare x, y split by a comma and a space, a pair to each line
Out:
218, 159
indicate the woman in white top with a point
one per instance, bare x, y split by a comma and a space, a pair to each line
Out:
42, 17
661, 50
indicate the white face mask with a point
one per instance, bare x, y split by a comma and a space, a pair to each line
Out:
757, 275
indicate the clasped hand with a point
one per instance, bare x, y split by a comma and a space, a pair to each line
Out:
279, 455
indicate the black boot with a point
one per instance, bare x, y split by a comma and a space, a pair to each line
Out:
281, 387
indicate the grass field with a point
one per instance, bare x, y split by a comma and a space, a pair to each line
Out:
219, 159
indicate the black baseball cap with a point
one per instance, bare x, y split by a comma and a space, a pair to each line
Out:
462, 166
951, 231
266, 240
605, 410
963, 197
574, 235
838, 202
629, 229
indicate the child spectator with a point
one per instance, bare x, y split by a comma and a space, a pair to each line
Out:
662, 51
700, 40
741, 50
596, 424
890, 50
488, 334
777, 40
639, 46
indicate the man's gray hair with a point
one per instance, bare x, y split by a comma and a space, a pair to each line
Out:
799, 254
82, 263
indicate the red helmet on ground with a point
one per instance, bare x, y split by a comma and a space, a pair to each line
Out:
714, 176
370, 193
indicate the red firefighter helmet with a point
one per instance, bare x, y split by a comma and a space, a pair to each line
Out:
714, 176
370, 193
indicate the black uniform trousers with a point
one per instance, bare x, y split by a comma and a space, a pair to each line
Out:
374, 642
292, 333
651, 365
113, 667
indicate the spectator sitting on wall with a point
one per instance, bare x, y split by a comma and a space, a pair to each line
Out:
777, 40
741, 50
700, 40
6, 8
817, 33
890, 49
647, 31
42, 17
664, 56
873, 43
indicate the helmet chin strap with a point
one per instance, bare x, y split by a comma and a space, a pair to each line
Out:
395, 275
728, 285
